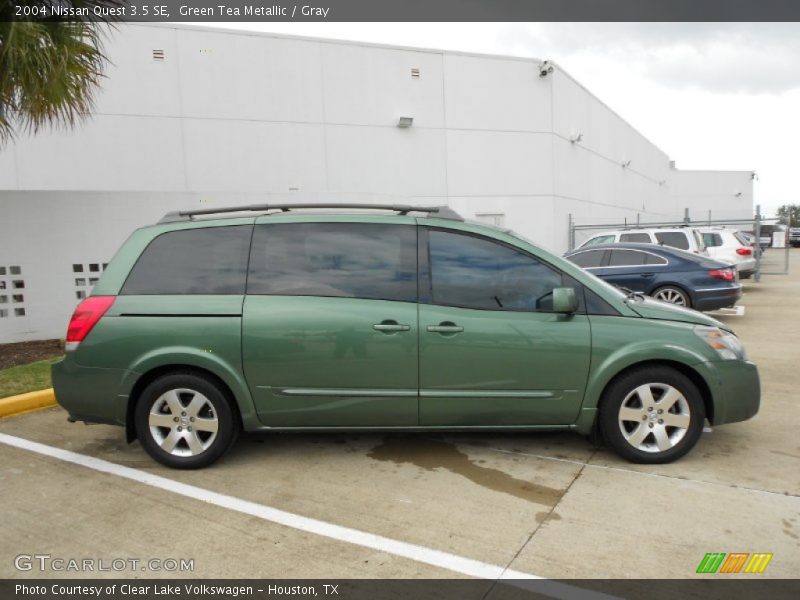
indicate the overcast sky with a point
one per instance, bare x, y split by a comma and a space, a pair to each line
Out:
711, 95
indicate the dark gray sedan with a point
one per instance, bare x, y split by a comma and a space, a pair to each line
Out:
664, 273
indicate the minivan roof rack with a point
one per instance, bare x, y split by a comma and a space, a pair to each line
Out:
443, 212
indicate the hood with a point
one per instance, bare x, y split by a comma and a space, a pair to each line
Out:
655, 309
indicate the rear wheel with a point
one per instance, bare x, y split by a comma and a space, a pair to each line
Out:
652, 415
673, 295
184, 421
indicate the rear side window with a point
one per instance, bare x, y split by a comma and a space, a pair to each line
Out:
712, 240
212, 260
588, 259
674, 239
639, 238
626, 258
348, 260
473, 272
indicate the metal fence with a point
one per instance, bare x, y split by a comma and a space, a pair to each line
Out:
769, 260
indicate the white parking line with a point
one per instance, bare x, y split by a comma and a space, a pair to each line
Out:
429, 556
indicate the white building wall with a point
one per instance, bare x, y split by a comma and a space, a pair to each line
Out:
726, 194
231, 118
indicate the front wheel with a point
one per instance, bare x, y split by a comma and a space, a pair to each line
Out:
184, 421
652, 415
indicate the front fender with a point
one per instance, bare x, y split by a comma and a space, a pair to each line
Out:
618, 344
188, 356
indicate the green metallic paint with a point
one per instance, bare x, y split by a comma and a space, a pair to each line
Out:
318, 344
533, 365
317, 363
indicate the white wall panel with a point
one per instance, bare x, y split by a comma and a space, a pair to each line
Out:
499, 163
373, 86
496, 93
387, 161
252, 156
249, 77
105, 153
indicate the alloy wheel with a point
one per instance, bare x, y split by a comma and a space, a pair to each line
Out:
183, 422
671, 295
654, 417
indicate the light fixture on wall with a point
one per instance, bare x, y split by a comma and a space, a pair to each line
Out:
626, 164
738, 195
754, 176
405, 122
662, 182
576, 138
545, 68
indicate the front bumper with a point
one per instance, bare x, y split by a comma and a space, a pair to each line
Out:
90, 394
735, 389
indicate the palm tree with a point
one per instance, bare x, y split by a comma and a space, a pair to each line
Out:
49, 70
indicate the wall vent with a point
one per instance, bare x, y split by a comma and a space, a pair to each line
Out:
158, 55
415, 73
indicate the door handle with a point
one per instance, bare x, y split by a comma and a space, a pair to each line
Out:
445, 327
390, 326
646, 274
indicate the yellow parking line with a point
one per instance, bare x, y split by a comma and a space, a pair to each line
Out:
23, 403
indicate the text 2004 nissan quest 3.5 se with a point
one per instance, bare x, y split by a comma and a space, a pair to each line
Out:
403, 318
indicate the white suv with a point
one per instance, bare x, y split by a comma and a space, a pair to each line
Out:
683, 238
730, 246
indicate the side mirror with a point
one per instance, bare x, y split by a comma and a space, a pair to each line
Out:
564, 300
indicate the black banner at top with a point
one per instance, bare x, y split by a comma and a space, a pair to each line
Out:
401, 10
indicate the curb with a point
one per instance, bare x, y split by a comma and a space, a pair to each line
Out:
23, 403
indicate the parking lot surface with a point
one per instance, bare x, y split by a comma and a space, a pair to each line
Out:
549, 505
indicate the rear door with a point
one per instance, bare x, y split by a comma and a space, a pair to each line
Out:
629, 269
330, 323
491, 351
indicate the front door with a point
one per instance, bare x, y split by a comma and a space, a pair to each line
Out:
491, 352
330, 324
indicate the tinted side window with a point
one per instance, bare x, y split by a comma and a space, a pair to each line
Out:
600, 239
626, 258
643, 238
652, 259
712, 240
348, 260
590, 258
212, 260
473, 272
675, 239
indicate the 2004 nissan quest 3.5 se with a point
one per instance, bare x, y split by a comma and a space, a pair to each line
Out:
292, 320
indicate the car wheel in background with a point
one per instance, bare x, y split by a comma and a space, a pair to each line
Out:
185, 421
652, 415
673, 295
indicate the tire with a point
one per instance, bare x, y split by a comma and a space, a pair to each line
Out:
631, 424
679, 296
185, 420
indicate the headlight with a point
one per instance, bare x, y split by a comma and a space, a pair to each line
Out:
726, 344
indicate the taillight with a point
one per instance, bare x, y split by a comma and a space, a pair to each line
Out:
726, 274
744, 251
86, 316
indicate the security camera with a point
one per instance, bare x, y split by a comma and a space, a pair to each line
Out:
545, 68
576, 138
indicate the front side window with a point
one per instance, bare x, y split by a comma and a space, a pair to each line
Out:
473, 272
211, 260
674, 239
348, 260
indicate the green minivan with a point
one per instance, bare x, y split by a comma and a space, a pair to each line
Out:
383, 318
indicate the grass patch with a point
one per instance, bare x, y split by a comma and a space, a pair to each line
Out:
26, 378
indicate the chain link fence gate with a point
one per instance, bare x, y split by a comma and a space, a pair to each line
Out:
771, 252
